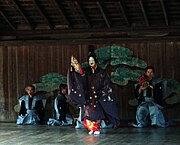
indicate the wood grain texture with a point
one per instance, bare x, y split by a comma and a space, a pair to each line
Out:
12, 134
24, 63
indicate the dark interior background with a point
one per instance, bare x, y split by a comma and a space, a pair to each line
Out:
38, 37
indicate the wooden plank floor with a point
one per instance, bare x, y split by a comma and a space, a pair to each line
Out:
12, 134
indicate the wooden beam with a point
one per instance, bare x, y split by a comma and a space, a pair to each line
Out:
100, 6
47, 41
164, 12
60, 9
43, 14
100, 31
123, 12
144, 12
7, 20
79, 5
19, 8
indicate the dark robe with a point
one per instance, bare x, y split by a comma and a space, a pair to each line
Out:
61, 112
94, 92
62, 106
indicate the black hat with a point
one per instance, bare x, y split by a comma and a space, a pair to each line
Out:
92, 53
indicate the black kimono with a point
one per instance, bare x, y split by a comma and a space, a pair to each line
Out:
94, 92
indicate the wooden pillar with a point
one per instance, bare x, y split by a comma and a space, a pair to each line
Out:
2, 101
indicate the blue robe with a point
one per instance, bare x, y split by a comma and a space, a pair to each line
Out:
93, 91
31, 110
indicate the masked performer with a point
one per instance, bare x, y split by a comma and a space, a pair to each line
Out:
91, 89
149, 94
31, 107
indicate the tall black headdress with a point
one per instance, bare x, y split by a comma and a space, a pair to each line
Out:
92, 53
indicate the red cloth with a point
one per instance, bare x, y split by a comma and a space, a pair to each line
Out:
81, 71
91, 125
143, 79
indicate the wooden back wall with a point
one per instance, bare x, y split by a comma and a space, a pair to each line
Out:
24, 63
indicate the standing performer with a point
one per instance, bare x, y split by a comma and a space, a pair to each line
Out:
91, 89
31, 107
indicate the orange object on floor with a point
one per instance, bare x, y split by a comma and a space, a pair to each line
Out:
91, 125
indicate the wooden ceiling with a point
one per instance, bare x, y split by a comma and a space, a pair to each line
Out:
88, 19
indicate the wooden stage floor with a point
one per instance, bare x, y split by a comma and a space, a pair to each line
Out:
12, 134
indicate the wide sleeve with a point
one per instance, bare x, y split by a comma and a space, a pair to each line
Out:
107, 100
40, 111
159, 91
139, 96
22, 108
75, 82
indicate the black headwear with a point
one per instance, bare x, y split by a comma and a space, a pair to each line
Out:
92, 53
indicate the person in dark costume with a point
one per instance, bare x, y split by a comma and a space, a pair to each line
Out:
61, 109
31, 107
62, 106
91, 89
149, 93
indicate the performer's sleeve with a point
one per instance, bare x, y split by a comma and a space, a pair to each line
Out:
40, 109
106, 88
138, 96
75, 84
108, 101
159, 92
22, 108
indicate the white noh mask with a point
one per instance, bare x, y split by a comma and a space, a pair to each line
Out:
92, 62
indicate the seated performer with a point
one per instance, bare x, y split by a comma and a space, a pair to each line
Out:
31, 107
61, 108
149, 94
91, 89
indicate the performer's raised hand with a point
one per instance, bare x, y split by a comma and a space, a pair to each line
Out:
75, 64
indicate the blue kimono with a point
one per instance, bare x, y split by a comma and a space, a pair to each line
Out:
93, 92
31, 110
149, 111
